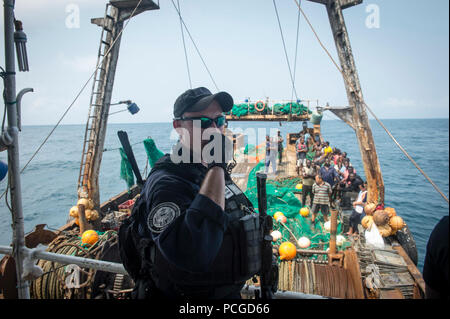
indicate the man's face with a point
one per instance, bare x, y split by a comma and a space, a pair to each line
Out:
186, 128
318, 179
308, 163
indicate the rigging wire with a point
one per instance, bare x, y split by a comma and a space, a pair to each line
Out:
195, 46
83, 87
369, 109
296, 48
184, 46
285, 50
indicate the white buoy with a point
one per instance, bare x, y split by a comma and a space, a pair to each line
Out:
276, 235
327, 226
340, 240
304, 242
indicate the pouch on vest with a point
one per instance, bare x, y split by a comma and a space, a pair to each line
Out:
250, 238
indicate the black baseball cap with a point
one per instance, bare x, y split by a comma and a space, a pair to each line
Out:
198, 99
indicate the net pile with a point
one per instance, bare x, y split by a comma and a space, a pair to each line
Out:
281, 198
278, 108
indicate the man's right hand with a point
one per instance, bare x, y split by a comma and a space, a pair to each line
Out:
218, 151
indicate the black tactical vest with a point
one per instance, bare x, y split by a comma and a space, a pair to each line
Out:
238, 259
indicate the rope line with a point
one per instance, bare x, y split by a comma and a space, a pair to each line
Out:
195, 46
296, 49
369, 109
184, 46
82, 88
285, 50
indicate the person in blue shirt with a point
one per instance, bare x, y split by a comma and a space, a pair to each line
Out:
328, 173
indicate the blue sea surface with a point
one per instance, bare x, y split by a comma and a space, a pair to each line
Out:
49, 184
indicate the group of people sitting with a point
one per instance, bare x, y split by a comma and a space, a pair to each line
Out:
326, 174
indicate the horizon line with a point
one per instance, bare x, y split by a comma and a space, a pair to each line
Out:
370, 119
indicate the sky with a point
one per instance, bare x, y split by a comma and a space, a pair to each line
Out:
400, 47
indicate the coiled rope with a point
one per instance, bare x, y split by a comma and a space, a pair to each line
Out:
52, 283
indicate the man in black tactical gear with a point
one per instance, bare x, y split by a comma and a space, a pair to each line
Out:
192, 232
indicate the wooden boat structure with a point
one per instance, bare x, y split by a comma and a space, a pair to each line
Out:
66, 269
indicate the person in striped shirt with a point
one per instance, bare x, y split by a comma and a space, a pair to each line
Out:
322, 198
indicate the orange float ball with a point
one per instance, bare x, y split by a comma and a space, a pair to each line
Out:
304, 211
279, 217
396, 223
367, 222
391, 211
89, 237
287, 251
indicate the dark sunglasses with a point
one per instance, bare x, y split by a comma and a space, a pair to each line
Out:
205, 122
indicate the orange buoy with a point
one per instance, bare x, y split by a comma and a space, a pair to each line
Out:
74, 211
88, 203
304, 211
396, 223
89, 237
287, 251
370, 208
279, 217
385, 230
391, 211
367, 222
380, 217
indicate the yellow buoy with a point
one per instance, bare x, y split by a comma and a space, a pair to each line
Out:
74, 212
304, 211
299, 186
89, 237
287, 251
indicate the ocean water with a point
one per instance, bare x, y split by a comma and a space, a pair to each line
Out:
49, 184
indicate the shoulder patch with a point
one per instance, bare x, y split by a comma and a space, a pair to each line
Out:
161, 216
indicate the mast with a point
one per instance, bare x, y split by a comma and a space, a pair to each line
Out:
357, 112
117, 11
12, 138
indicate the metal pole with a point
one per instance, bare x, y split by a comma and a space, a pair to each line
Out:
100, 265
13, 149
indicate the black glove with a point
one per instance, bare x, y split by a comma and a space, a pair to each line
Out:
218, 151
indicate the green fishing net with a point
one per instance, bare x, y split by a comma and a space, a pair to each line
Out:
281, 198
153, 153
126, 172
278, 108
